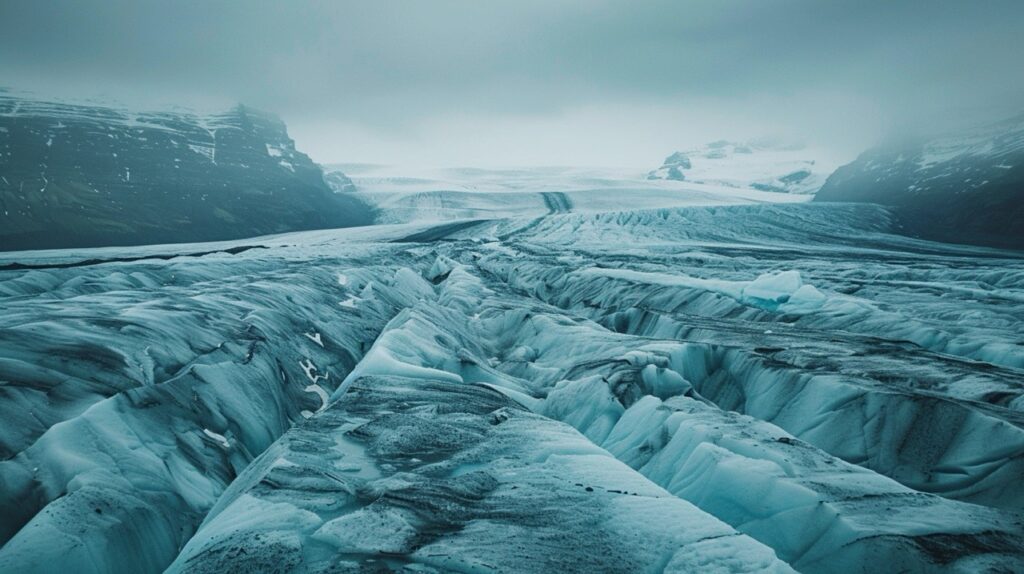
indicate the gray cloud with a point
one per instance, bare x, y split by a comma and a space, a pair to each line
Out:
535, 81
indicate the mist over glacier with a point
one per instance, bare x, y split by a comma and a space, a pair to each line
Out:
582, 286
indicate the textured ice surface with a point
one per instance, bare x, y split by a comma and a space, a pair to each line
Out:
435, 476
730, 388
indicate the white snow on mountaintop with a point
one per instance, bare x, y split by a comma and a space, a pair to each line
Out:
442, 194
764, 166
995, 140
28, 103
112, 114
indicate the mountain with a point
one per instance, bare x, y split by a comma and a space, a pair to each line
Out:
966, 187
74, 175
761, 165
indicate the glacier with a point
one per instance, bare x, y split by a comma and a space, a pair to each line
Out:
401, 194
722, 385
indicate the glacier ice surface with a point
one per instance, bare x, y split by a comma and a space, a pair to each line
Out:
731, 388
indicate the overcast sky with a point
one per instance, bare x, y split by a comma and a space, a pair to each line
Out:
552, 82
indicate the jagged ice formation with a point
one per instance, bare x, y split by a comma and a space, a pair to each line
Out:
759, 388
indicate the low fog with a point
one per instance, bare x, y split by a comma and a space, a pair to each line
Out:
537, 82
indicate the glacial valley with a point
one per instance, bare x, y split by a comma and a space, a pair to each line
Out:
742, 387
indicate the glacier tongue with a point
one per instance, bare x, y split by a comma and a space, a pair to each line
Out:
744, 388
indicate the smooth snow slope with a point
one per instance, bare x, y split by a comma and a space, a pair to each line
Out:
728, 388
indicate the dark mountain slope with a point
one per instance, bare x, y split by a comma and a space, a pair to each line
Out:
76, 175
964, 188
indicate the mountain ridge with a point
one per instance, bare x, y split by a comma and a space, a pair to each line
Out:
964, 187
78, 175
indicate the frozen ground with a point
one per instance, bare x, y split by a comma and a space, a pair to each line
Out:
736, 387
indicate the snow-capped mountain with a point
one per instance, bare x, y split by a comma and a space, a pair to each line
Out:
338, 181
76, 175
964, 187
762, 165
